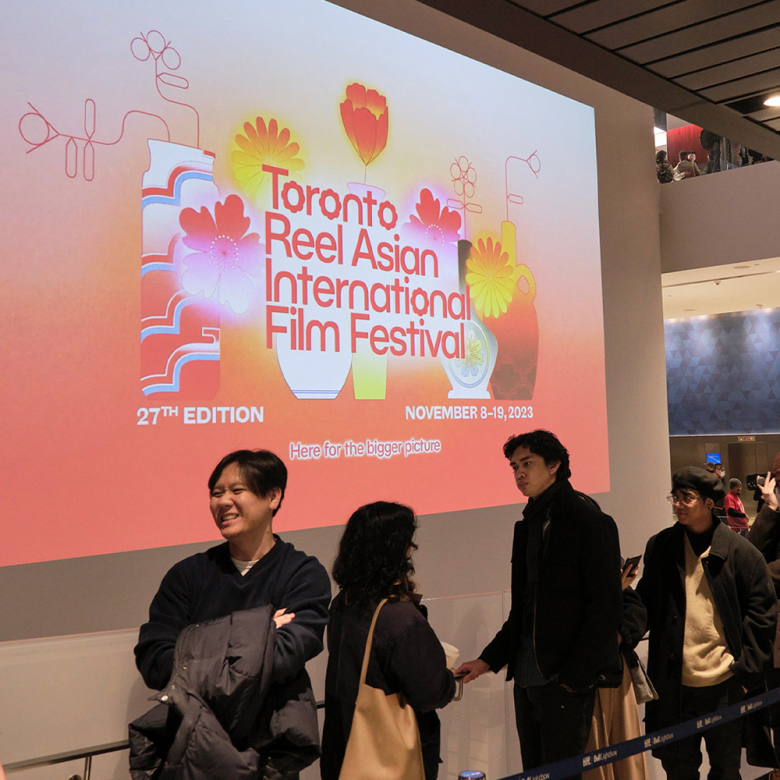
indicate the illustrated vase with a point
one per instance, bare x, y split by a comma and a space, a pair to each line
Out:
470, 375
179, 332
517, 331
369, 370
315, 373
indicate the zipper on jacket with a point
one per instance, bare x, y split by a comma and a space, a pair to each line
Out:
163, 697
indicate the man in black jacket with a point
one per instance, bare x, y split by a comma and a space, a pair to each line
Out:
562, 630
253, 568
711, 615
765, 535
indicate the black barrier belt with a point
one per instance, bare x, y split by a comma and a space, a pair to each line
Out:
597, 758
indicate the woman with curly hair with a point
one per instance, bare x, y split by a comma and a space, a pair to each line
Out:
373, 563
663, 168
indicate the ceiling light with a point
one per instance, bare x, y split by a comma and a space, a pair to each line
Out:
772, 100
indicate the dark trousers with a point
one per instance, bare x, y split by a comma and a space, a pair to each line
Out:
552, 724
773, 681
724, 743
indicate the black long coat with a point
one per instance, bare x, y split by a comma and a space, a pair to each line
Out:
578, 605
744, 597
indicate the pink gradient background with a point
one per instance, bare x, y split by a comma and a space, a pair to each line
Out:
80, 476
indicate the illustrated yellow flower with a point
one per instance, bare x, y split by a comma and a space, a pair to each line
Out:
261, 145
472, 356
490, 277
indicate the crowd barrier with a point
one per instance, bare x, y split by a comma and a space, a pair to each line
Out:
596, 758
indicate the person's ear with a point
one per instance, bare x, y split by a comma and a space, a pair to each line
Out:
275, 497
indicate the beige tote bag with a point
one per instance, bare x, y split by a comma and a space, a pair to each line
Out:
384, 742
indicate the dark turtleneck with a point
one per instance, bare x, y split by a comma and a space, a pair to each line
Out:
700, 542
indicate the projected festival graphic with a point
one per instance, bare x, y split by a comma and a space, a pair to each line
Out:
349, 282
378, 263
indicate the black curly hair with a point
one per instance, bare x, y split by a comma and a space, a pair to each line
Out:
546, 445
374, 560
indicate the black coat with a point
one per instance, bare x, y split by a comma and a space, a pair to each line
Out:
744, 597
406, 657
633, 623
765, 535
221, 715
578, 605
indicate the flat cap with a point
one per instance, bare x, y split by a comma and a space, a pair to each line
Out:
700, 480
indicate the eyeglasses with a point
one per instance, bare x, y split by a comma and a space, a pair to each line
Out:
689, 499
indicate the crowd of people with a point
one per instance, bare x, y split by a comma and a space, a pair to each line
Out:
722, 154
231, 629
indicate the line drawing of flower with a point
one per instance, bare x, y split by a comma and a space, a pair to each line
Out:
472, 357
434, 224
464, 182
490, 277
260, 145
364, 114
225, 257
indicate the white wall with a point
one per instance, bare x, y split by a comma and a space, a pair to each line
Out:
724, 218
460, 552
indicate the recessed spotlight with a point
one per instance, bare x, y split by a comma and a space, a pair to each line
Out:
689, 309
743, 266
772, 100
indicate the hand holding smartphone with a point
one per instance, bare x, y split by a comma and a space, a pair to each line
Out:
631, 565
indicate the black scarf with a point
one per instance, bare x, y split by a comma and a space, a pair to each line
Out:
536, 514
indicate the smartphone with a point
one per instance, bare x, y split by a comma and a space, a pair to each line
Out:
631, 564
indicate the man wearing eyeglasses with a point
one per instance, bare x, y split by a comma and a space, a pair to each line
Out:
711, 610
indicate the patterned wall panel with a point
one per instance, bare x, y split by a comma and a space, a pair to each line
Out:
723, 373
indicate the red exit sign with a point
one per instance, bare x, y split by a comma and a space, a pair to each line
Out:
746, 438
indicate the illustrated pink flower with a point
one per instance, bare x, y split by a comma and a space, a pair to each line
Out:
434, 224
225, 257
364, 115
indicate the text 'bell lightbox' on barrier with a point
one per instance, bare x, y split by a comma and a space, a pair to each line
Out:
281, 225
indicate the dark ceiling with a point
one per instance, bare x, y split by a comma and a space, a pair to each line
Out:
709, 62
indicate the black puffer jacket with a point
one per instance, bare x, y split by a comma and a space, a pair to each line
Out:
220, 714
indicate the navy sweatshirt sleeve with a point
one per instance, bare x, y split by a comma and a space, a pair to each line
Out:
207, 586
307, 595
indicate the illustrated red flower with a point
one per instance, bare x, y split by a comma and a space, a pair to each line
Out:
364, 116
225, 256
434, 224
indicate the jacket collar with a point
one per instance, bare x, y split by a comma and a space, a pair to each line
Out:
555, 494
721, 538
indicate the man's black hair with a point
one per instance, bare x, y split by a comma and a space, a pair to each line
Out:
260, 469
544, 444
